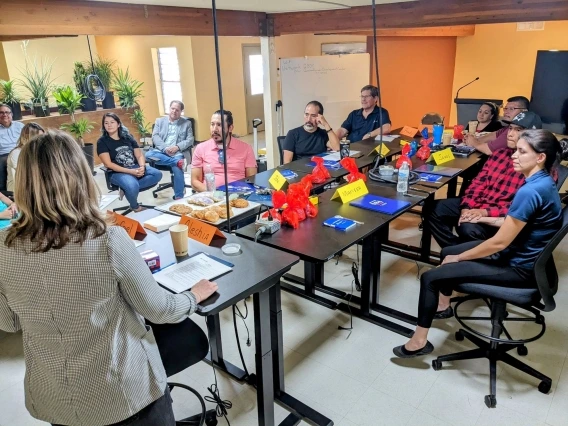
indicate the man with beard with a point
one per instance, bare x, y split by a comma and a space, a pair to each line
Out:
239, 156
314, 137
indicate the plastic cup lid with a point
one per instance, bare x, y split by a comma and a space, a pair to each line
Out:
231, 249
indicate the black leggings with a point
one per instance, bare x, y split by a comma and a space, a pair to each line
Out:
443, 279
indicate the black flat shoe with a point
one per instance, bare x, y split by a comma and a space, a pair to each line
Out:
446, 313
402, 352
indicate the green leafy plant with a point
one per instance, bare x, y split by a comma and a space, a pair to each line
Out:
79, 128
68, 99
36, 78
8, 92
143, 127
127, 89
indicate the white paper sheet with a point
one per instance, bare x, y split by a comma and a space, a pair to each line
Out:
336, 156
184, 275
106, 200
387, 138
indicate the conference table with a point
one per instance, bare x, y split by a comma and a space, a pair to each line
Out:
315, 244
256, 272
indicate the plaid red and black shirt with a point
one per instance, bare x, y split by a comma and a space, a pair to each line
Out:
495, 186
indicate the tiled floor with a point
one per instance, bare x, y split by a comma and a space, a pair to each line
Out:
354, 378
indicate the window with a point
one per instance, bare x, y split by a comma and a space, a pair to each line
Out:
169, 75
256, 75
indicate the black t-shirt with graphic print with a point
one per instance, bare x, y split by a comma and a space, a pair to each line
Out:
121, 151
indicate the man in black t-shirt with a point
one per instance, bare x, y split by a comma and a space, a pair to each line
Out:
314, 137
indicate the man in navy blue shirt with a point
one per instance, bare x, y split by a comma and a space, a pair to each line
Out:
365, 123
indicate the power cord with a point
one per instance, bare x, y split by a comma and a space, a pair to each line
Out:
221, 405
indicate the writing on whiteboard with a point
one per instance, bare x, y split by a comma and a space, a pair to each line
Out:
289, 65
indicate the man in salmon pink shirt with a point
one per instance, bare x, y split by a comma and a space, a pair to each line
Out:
239, 156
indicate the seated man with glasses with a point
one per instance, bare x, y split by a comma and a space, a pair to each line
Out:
498, 140
366, 122
239, 156
9, 135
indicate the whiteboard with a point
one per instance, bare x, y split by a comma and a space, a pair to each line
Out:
334, 80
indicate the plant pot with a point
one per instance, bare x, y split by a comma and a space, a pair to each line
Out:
88, 150
16, 110
108, 101
41, 110
88, 105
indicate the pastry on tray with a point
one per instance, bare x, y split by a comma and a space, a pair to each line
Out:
181, 209
222, 211
204, 200
239, 203
211, 216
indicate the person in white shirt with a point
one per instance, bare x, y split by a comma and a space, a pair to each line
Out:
29, 131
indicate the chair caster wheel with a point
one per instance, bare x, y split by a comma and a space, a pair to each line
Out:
490, 401
459, 336
545, 386
522, 350
155, 195
539, 320
436, 365
211, 422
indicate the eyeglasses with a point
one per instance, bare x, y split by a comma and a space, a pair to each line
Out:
511, 109
5, 112
221, 156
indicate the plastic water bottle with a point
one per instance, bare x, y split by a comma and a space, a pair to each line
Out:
403, 172
209, 179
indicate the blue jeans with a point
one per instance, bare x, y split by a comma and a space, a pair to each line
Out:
131, 185
162, 159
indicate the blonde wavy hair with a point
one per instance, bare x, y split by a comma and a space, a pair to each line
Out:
56, 194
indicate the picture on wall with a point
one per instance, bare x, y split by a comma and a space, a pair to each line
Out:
343, 48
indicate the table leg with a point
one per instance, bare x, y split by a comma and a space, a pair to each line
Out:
215, 356
263, 359
313, 278
298, 410
452, 187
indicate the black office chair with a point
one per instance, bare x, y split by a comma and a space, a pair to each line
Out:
187, 154
280, 140
532, 300
125, 209
182, 345
3, 173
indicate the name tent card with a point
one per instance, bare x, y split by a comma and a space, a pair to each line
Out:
443, 156
131, 226
277, 180
409, 132
201, 231
351, 191
381, 149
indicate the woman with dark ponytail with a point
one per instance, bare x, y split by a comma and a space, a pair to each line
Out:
506, 259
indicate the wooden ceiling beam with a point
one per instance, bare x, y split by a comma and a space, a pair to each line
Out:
72, 17
449, 31
420, 14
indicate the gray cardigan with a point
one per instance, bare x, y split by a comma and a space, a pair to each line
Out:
90, 359
184, 133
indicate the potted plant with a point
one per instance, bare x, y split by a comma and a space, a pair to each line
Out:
79, 128
104, 70
9, 96
36, 78
68, 99
127, 89
144, 128
80, 78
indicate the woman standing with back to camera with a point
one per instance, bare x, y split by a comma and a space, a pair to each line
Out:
79, 291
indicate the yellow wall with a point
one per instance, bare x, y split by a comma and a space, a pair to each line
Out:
63, 51
503, 59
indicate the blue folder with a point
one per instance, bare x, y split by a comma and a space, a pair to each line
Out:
380, 204
328, 164
238, 187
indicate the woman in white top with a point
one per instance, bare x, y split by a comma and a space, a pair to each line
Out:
29, 131
79, 291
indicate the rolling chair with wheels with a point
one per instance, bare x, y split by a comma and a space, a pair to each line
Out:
182, 345
125, 209
187, 154
533, 300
